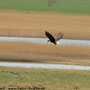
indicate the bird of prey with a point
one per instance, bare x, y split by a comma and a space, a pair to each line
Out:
55, 38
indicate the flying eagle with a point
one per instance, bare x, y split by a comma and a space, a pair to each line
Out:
54, 39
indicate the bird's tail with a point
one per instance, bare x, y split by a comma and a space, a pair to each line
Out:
58, 42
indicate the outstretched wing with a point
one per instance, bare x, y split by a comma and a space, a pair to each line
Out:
51, 38
58, 36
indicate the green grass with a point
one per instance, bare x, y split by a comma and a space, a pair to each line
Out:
50, 79
61, 6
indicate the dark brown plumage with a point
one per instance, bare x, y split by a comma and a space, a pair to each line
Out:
54, 39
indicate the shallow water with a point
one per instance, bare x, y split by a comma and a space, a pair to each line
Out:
45, 66
44, 41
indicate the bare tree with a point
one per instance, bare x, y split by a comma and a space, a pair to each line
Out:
51, 2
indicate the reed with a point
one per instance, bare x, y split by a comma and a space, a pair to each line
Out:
30, 52
35, 25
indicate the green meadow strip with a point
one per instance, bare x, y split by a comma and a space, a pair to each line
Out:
60, 6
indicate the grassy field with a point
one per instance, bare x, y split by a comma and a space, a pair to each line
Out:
44, 78
35, 25
38, 53
61, 6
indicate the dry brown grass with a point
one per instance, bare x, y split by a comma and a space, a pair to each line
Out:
2, 85
25, 85
57, 85
35, 24
68, 87
11, 84
76, 86
28, 52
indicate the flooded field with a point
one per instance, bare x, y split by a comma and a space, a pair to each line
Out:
44, 41
44, 66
